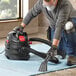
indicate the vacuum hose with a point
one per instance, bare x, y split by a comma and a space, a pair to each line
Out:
41, 40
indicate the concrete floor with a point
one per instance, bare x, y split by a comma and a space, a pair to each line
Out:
41, 34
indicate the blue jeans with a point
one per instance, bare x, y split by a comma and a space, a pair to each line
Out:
67, 42
71, 44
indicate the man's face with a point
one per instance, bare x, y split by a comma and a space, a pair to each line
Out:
50, 4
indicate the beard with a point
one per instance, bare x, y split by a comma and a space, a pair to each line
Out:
50, 8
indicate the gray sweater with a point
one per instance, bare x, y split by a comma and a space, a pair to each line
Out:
57, 18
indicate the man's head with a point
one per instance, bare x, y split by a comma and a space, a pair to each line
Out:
50, 4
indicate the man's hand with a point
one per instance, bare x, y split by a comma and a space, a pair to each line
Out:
52, 51
55, 42
18, 28
23, 25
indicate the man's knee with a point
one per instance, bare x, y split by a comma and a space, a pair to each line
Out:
69, 27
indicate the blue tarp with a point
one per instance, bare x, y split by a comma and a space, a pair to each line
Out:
27, 68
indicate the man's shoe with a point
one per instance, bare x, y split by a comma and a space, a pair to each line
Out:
71, 60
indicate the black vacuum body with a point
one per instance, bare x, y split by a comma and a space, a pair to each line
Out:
15, 46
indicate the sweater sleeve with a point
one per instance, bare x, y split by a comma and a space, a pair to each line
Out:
62, 19
36, 9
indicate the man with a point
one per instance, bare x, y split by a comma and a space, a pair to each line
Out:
58, 13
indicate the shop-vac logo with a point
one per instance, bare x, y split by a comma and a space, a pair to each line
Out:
22, 38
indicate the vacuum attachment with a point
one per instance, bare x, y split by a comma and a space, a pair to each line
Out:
50, 57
